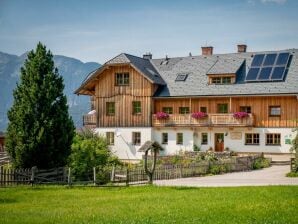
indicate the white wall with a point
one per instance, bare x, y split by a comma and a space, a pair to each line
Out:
123, 146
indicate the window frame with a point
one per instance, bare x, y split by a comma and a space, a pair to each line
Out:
204, 134
122, 79
274, 137
136, 109
255, 139
244, 109
164, 109
219, 107
163, 135
136, 138
110, 136
183, 108
179, 138
108, 109
274, 107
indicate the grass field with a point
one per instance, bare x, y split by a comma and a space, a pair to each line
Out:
149, 205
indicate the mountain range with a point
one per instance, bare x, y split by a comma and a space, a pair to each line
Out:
72, 70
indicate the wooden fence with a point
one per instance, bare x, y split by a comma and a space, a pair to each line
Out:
10, 176
293, 165
165, 172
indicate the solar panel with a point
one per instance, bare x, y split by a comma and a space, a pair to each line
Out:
252, 74
268, 67
257, 60
278, 73
265, 73
283, 59
270, 59
181, 77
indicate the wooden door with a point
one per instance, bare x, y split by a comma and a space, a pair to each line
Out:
219, 142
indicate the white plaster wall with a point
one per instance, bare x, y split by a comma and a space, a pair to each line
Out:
123, 147
172, 147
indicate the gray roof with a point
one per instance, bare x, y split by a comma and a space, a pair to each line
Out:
197, 68
143, 65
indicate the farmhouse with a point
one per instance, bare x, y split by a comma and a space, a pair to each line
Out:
242, 101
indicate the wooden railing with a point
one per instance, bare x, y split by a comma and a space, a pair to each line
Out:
210, 120
89, 120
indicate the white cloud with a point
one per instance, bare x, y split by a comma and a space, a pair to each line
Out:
280, 2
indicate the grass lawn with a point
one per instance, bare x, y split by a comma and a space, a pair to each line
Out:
276, 204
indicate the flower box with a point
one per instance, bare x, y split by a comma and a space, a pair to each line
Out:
162, 115
240, 115
199, 115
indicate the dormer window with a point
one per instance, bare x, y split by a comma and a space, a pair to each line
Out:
221, 80
122, 79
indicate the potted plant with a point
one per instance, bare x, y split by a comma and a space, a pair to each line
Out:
240, 115
199, 115
162, 115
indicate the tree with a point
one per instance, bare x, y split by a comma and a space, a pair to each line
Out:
40, 130
294, 149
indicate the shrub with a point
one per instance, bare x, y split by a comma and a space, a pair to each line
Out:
292, 174
162, 115
88, 151
196, 148
217, 169
240, 115
260, 163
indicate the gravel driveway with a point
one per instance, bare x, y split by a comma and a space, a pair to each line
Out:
274, 175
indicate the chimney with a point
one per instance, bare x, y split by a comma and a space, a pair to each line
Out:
207, 51
147, 56
242, 48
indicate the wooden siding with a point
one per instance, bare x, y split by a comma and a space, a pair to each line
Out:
139, 89
259, 108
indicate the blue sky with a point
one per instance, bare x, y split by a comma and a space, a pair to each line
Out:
99, 30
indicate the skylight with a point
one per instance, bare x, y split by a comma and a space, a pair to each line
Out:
181, 77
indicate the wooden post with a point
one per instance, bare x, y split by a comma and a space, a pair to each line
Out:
1, 175
69, 176
127, 176
94, 176
113, 174
32, 175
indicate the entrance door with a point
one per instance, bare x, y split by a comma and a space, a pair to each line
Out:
219, 142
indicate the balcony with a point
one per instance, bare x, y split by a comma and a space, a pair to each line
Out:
211, 120
89, 120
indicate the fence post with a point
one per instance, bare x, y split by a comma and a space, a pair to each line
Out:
1, 175
32, 175
127, 176
94, 176
69, 176
113, 173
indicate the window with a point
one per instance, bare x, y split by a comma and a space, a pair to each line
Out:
246, 109
110, 138
168, 110
221, 80
110, 106
204, 139
252, 139
183, 110
274, 111
122, 79
203, 109
272, 139
164, 138
179, 139
136, 138
181, 77
222, 108
136, 107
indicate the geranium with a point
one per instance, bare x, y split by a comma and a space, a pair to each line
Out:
240, 115
199, 115
161, 115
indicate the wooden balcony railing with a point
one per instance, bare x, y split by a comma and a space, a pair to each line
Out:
211, 120
89, 120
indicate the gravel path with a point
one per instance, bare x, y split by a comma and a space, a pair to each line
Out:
274, 175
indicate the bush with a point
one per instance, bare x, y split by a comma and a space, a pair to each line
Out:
88, 151
292, 174
260, 163
196, 148
217, 169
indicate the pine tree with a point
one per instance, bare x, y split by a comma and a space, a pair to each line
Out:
40, 130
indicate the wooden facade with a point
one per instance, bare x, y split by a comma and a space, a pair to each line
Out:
259, 108
139, 89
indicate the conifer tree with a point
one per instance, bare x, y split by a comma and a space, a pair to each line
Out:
40, 130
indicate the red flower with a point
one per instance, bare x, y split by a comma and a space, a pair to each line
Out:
199, 115
162, 115
240, 115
